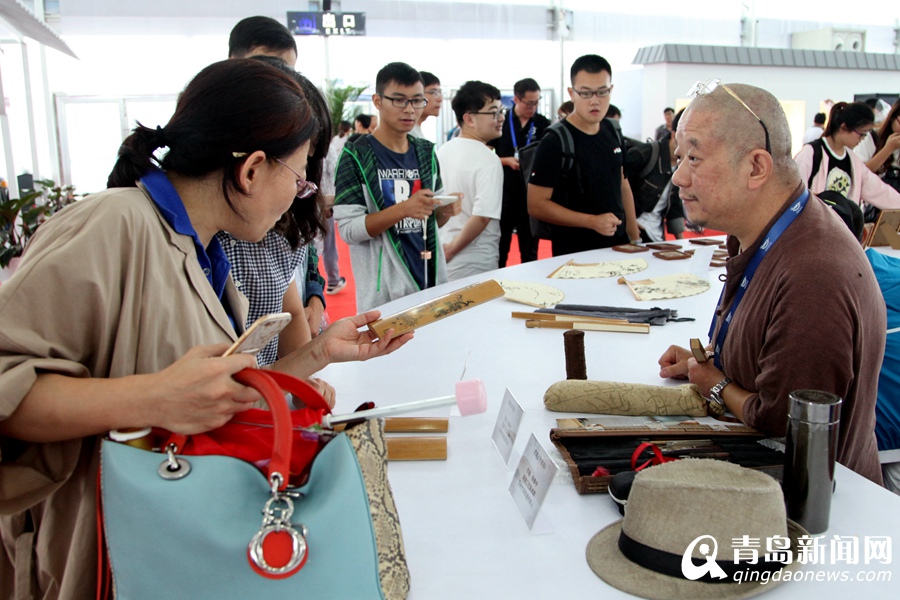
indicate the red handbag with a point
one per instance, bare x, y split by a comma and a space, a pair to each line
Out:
249, 434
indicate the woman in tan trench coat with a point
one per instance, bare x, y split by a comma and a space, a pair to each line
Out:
123, 305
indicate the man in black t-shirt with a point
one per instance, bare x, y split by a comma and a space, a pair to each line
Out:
591, 205
522, 126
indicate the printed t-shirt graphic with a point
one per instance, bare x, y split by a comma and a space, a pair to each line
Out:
839, 170
398, 175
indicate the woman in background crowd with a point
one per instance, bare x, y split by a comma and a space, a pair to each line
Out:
881, 150
840, 170
267, 272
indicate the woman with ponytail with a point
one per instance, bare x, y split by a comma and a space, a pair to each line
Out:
123, 305
829, 164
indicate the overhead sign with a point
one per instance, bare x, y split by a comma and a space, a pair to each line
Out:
327, 23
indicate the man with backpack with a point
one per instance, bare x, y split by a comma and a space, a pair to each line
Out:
648, 167
583, 194
522, 126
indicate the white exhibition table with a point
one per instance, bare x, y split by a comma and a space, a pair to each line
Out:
463, 534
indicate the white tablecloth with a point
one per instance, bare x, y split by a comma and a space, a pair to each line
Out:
464, 536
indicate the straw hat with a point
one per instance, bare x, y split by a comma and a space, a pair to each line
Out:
696, 508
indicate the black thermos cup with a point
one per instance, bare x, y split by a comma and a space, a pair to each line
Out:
810, 450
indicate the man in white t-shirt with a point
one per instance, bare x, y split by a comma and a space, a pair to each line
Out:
817, 129
471, 238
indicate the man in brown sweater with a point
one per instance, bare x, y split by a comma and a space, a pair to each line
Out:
812, 315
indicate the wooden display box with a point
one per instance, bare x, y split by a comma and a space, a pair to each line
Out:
585, 445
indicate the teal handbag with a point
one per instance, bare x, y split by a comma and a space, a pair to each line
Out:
216, 527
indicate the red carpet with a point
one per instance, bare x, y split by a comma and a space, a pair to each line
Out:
343, 304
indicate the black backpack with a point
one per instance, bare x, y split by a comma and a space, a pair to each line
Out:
541, 229
848, 211
648, 168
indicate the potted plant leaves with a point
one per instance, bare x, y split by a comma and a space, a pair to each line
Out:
21, 217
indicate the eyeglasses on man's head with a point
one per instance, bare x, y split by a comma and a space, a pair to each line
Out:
530, 104
435, 93
401, 102
704, 88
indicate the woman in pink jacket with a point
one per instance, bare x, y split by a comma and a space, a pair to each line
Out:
832, 166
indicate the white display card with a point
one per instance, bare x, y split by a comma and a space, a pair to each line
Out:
532, 480
507, 427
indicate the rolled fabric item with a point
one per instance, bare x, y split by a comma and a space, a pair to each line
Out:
633, 399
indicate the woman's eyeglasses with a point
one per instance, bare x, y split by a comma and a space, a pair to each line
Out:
704, 88
305, 189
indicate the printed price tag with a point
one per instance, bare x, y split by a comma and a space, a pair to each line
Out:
532, 480
507, 427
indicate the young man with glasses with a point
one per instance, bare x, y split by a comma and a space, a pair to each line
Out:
800, 307
521, 126
384, 197
471, 238
435, 97
591, 205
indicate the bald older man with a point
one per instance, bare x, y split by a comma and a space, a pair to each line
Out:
810, 314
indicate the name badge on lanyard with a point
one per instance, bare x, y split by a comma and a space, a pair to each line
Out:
512, 133
772, 236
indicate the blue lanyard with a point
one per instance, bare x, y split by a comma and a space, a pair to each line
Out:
771, 237
512, 132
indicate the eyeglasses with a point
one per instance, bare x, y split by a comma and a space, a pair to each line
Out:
705, 88
401, 102
498, 115
861, 134
435, 93
305, 189
588, 94
532, 104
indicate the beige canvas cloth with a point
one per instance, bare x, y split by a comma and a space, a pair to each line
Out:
615, 398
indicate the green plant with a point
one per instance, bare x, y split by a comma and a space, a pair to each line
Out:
338, 98
21, 217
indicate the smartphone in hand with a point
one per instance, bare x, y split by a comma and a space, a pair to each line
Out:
445, 200
259, 334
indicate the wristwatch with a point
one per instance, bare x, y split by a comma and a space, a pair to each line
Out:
715, 394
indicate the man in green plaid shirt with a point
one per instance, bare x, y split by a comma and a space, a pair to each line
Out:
385, 206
